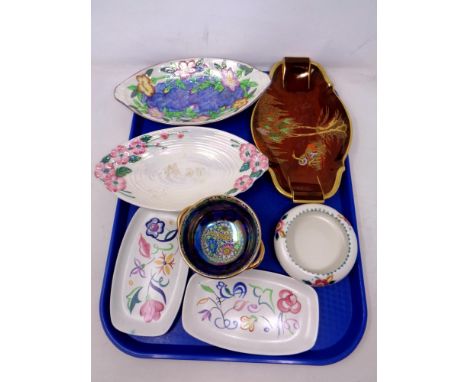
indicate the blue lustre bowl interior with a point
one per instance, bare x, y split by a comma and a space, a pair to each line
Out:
220, 236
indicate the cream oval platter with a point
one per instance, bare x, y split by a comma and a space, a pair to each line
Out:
192, 91
257, 312
149, 277
170, 169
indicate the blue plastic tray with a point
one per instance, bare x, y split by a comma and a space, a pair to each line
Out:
343, 311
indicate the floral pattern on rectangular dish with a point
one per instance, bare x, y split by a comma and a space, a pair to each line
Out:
149, 276
257, 312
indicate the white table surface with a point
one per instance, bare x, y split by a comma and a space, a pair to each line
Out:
110, 125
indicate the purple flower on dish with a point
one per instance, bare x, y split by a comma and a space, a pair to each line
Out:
154, 227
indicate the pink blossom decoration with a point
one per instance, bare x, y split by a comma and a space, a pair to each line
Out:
115, 183
288, 302
164, 135
243, 183
120, 154
258, 162
137, 146
180, 135
186, 69
104, 170
247, 151
151, 310
229, 79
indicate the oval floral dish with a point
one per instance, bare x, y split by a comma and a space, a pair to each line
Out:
257, 312
192, 91
149, 276
172, 168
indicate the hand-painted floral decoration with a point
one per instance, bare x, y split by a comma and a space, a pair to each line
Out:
152, 271
279, 230
222, 304
189, 91
254, 161
319, 282
113, 168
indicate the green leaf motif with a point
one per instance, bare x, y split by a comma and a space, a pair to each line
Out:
231, 191
132, 298
149, 72
106, 159
145, 138
219, 87
180, 84
122, 171
132, 87
256, 174
244, 167
134, 158
207, 288
264, 296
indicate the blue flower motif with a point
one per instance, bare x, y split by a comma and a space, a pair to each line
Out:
212, 245
154, 227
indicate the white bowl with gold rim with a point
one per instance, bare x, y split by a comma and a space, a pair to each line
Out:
316, 244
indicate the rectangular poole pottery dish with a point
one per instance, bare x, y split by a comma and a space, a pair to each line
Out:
342, 312
150, 275
257, 312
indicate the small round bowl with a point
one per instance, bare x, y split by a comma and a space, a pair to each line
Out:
220, 236
316, 244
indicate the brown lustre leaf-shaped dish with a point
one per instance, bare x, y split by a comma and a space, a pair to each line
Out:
303, 128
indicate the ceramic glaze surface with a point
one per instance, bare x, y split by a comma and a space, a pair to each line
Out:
317, 233
172, 168
316, 244
223, 241
304, 129
192, 91
219, 236
257, 312
149, 277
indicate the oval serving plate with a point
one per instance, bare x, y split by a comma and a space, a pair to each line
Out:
316, 244
192, 91
257, 312
149, 277
172, 168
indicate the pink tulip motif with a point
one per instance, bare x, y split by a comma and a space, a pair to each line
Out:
151, 310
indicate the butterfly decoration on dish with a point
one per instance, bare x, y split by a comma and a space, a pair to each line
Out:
192, 91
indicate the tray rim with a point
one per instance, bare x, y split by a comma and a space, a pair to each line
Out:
240, 357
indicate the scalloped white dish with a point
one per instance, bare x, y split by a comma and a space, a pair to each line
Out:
257, 312
192, 91
316, 244
149, 276
170, 169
